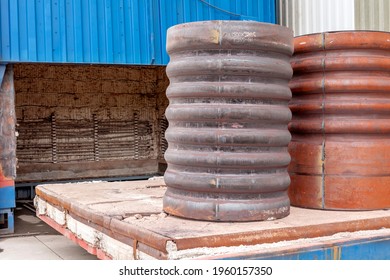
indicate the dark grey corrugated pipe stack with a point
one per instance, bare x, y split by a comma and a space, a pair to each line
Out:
228, 115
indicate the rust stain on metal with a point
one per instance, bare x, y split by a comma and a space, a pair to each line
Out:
228, 115
7, 129
112, 225
215, 35
135, 247
337, 252
280, 234
341, 122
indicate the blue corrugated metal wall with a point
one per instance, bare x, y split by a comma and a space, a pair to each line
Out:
108, 31
174, 12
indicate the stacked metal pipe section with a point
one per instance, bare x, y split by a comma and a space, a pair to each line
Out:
228, 114
340, 147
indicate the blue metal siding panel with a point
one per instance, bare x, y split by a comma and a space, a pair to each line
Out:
4, 31
14, 23
375, 248
136, 32
31, 31
156, 34
56, 30
93, 27
129, 30
69, 32
7, 197
144, 47
23, 30
78, 32
372, 250
101, 19
85, 31
115, 14
108, 31
47, 14
62, 30
40, 35
180, 11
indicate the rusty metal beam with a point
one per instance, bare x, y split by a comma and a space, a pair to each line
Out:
281, 234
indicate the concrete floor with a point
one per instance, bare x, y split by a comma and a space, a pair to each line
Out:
35, 240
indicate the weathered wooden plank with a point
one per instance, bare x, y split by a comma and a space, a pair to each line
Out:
40, 172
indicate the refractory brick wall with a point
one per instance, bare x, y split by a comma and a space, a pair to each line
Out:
82, 121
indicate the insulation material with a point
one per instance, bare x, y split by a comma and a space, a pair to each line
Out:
84, 113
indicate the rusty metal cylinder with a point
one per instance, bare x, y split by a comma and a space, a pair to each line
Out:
7, 138
228, 115
340, 129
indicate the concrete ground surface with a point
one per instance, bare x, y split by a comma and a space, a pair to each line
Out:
35, 240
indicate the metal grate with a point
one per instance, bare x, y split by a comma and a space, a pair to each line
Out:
34, 141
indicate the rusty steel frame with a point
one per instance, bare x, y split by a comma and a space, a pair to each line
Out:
7, 128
